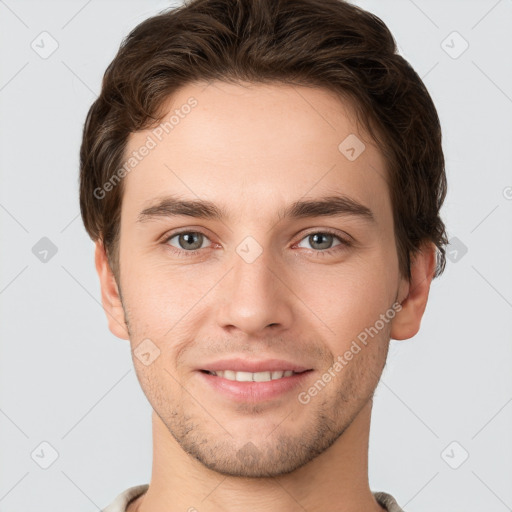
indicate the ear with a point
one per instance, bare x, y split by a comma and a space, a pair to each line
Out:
407, 321
110, 297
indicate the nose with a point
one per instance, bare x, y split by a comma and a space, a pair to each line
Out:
254, 296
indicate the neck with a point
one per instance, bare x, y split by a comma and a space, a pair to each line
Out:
337, 479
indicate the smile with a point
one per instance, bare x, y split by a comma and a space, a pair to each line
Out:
252, 377
262, 386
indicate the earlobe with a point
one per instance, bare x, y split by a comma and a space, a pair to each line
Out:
110, 297
407, 322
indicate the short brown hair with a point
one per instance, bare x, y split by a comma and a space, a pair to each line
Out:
318, 43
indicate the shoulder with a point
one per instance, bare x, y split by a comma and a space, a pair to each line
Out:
387, 501
122, 500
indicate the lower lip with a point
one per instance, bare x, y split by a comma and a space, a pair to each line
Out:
254, 391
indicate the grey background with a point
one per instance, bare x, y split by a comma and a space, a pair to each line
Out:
67, 381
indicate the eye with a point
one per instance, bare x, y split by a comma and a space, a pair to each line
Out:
189, 241
322, 241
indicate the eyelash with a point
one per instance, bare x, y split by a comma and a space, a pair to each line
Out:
344, 243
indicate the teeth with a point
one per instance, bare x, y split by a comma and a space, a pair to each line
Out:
253, 377
228, 374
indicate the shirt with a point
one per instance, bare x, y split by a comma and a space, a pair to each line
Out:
121, 502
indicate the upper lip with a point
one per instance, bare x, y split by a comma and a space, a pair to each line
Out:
253, 366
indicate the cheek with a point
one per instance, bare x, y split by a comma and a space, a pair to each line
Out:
160, 299
348, 297
148, 280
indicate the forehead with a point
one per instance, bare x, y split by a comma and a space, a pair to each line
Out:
254, 146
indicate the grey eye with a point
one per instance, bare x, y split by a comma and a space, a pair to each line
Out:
320, 241
188, 240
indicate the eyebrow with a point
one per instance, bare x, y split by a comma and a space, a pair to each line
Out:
330, 206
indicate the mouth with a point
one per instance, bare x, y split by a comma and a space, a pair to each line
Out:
254, 387
266, 376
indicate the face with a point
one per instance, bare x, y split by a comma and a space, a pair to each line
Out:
253, 282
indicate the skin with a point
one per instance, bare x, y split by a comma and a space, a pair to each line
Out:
254, 149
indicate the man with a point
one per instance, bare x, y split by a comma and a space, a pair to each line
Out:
263, 181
